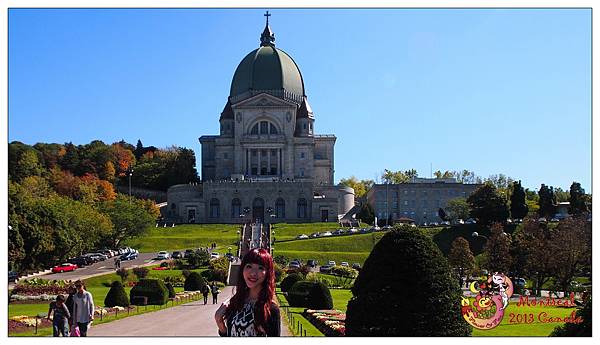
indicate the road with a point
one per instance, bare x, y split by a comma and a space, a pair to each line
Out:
192, 319
102, 267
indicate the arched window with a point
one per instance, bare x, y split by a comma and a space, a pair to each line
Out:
236, 208
301, 208
280, 208
214, 208
264, 128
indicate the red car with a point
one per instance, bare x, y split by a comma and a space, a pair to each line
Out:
64, 268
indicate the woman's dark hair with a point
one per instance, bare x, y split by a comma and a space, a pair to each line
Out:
60, 298
262, 308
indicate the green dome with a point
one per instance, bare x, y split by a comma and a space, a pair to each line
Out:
267, 69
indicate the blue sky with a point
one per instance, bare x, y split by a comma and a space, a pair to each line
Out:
488, 90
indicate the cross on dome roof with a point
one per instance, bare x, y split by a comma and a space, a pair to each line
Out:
268, 37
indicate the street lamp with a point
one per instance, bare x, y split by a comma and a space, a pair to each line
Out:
130, 172
476, 234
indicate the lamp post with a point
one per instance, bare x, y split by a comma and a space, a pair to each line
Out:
130, 172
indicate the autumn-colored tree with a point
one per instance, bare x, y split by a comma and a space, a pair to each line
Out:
124, 158
52, 153
64, 182
460, 256
109, 171
361, 187
497, 249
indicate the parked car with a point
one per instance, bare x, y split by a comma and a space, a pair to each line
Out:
214, 255
445, 222
356, 266
12, 276
353, 230
326, 234
129, 256
554, 220
294, 264
107, 252
177, 255
387, 227
100, 256
315, 234
520, 282
312, 263
325, 269
162, 255
542, 220
66, 267
345, 264
81, 261
365, 230
338, 232
375, 228
470, 221
460, 221
188, 252
331, 263
302, 237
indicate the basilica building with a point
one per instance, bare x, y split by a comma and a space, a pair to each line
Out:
267, 163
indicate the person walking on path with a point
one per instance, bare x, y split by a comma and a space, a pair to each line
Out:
253, 310
83, 308
70, 302
60, 320
205, 291
214, 290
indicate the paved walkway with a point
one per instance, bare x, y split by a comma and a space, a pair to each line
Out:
187, 320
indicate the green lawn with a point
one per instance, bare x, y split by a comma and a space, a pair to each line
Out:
506, 328
296, 316
285, 231
187, 236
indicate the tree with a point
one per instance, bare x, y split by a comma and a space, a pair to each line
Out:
442, 214
360, 187
366, 213
445, 174
139, 149
518, 207
123, 273
466, 176
140, 272
487, 206
547, 202
497, 250
460, 256
394, 177
194, 282
458, 208
24, 161
572, 250
130, 219
405, 262
577, 199
533, 243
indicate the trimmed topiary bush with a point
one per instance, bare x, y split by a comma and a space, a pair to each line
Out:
154, 289
116, 296
406, 288
170, 289
289, 281
194, 282
312, 295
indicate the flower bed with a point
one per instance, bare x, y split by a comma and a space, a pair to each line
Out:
23, 323
330, 322
27, 298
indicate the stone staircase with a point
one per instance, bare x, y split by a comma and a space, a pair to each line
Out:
255, 235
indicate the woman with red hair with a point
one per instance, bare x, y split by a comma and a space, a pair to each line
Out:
252, 311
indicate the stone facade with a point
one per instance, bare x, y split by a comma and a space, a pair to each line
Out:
266, 163
419, 200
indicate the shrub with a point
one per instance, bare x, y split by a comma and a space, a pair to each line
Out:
289, 281
312, 295
154, 289
344, 271
170, 289
165, 264
279, 273
583, 329
198, 258
194, 282
221, 263
116, 296
281, 260
123, 273
140, 272
215, 275
186, 273
174, 280
404, 285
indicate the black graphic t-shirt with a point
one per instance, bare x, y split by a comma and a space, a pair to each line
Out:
241, 324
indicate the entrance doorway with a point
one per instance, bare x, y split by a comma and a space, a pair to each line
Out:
192, 215
324, 215
258, 210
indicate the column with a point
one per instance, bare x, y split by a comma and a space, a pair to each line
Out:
269, 162
258, 154
279, 162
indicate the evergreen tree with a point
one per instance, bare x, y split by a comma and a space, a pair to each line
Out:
405, 289
487, 205
518, 207
116, 296
577, 199
139, 149
366, 213
547, 202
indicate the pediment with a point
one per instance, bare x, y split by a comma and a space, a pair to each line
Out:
263, 100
